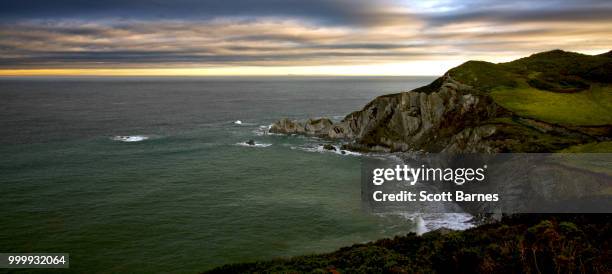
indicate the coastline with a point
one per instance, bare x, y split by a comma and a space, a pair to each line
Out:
461, 113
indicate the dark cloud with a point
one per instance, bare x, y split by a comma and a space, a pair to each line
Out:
336, 11
523, 16
520, 11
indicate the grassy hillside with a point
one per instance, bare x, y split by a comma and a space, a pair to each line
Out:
557, 87
591, 107
604, 147
595, 163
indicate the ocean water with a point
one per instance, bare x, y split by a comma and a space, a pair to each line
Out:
148, 175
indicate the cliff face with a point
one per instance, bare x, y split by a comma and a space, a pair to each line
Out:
451, 116
418, 120
407, 121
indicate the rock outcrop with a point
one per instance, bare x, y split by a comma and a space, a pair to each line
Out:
313, 127
416, 120
408, 121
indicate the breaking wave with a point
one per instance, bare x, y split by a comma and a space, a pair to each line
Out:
129, 138
322, 149
245, 144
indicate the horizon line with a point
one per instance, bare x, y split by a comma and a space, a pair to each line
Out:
414, 68
212, 75
121, 73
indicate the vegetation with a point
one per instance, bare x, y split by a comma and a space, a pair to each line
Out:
517, 244
558, 65
484, 75
531, 139
557, 87
601, 147
594, 162
586, 108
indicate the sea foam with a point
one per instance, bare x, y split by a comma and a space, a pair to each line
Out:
130, 138
265, 130
241, 123
321, 149
245, 144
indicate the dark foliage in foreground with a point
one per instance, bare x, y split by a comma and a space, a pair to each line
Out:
517, 244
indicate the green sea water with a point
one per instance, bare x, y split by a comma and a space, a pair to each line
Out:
182, 194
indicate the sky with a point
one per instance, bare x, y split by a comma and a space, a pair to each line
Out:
288, 37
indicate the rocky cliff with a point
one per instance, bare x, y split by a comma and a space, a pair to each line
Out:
454, 114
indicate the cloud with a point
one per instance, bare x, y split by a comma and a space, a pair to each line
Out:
521, 12
277, 42
327, 12
109, 34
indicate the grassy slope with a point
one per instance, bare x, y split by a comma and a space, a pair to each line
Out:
604, 147
585, 108
594, 163
579, 90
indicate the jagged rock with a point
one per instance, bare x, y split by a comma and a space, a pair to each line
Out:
313, 127
417, 120
471, 140
286, 126
318, 127
329, 147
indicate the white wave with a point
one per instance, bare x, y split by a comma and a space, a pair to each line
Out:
455, 221
265, 130
420, 225
321, 149
261, 130
432, 221
130, 138
241, 123
245, 144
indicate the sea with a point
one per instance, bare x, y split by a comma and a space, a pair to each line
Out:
154, 175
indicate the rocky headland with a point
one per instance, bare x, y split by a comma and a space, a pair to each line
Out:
549, 102
471, 109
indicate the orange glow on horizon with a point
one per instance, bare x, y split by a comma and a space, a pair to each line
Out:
416, 68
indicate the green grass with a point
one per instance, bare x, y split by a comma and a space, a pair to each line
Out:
597, 147
586, 108
599, 163
483, 75
554, 70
